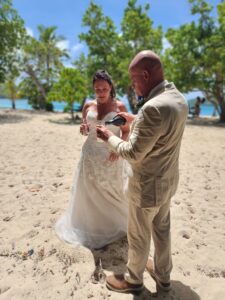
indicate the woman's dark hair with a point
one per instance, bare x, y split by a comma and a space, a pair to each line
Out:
104, 75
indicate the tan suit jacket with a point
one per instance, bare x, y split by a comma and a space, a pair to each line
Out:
153, 146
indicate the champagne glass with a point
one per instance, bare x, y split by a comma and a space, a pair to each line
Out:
99, 122
86, 127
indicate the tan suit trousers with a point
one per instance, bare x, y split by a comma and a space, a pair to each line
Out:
142, 223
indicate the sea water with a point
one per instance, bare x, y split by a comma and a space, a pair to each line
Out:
207, 109
23, 104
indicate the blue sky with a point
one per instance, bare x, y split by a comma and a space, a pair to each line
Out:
67, 16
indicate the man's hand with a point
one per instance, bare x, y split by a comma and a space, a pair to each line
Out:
129, 117
103, 133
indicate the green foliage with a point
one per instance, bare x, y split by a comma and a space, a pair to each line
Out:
42, 63
29, 90
70, 87
113, 51
101, 39
2, 91
137, 33
196, 59
12, 35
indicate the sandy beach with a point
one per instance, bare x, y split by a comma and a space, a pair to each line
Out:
38, 156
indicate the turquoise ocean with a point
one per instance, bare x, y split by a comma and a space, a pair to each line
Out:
207, 109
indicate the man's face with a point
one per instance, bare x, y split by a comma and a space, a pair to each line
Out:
138, 81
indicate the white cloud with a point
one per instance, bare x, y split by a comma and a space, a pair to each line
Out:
77, 47
68, 64
63, 45
29, 31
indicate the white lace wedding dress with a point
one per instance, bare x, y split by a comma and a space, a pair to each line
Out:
97, 212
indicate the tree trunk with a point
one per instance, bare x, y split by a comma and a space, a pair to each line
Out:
13, 104
219, 95
47, 76
72, 115
209, 97
72, 112
219, 102
222, 111
42, 102
39, 86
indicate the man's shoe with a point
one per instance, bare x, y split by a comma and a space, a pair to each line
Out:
117, 283
164, 286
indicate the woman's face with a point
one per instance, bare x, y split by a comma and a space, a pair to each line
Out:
102, 91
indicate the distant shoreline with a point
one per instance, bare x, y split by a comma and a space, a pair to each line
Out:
22, 104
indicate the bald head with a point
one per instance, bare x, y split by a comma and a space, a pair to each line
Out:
146, 60
148, 65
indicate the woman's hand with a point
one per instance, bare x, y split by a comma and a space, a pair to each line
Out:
84, 128
113, 156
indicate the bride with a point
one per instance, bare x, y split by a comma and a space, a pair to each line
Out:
97, 211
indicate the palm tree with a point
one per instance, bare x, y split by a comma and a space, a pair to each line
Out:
43, 60
12, 91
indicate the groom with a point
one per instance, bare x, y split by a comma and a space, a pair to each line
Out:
153, 152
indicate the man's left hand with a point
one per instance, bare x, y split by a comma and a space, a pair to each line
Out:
103, 133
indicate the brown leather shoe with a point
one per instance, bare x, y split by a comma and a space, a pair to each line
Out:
117, 283
164, 286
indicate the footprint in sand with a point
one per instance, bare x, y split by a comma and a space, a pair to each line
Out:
30, 234
185, 234
4, 289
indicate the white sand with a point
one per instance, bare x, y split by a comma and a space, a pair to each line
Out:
38, 156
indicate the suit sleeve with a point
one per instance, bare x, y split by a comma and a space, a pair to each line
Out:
146, 131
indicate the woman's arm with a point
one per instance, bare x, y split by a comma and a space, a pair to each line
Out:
85, 109
84, 126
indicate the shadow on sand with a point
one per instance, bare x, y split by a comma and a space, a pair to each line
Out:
107, 258
179, 291
67, 121
205, 121
11, 117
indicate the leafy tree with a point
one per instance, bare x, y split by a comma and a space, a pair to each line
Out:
137, 33
82, 66
12, 35
28, 89
42, 62
112, 50
196, 59
71, 87
100, 38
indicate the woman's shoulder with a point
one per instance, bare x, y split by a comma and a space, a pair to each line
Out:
89, 104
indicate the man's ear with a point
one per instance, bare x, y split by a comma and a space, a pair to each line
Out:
146, 75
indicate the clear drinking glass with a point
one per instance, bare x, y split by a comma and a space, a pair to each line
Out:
99, 122
86, 127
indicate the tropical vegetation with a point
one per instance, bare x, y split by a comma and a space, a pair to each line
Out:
35, 67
